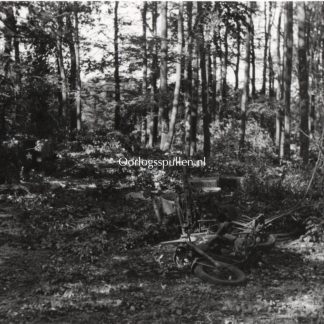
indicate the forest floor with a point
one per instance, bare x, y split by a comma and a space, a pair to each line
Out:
54, 273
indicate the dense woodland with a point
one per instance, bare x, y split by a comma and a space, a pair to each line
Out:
83, 84
166, 73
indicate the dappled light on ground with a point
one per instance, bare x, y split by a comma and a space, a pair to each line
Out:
65, 284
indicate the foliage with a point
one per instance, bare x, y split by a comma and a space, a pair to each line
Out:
314, 229
225, 147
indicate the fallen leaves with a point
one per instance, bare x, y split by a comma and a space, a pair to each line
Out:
126, 284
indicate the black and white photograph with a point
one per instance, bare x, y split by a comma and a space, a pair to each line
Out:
162, 162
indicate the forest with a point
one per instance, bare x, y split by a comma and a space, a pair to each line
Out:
86, 86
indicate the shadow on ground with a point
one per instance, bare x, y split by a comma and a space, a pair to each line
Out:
55, 280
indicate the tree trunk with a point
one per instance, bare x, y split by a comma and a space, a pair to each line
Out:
217, 44
214, 110
314, 65
177, 87
195, 82
72, 53
153, 123
216, 53
224, 81
17, 66
303, 82
145, 81
224, 75
322, 34
204, 87
253, 90
271, 75
188, 80
285, 147
238, 54
144, 48
116, 63
163, 104
72, 79
210, 87
278, 78
6, 66
312, 116
246, 80
63, 81
265, 53
271, 72
77, 69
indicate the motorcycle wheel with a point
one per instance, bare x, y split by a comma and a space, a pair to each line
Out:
222, 274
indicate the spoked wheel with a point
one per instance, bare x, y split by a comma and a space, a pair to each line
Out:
222, 274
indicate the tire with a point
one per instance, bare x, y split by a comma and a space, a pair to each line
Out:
268, 244
225, 274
